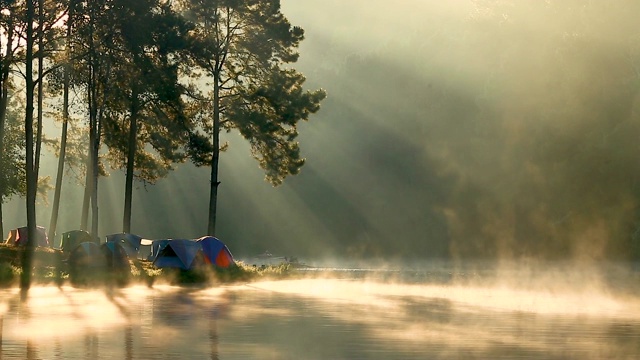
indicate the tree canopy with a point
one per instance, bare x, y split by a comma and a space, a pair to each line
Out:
240, 50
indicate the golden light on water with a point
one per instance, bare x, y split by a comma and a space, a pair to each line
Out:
64, 313
278, 318
465, 298
464, 318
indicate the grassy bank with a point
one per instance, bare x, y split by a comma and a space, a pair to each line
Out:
50, 268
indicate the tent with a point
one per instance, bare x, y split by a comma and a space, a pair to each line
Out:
179, 253
115, 255
216, 252
156, 247
130, 243
18, 237
73, 238
86, 254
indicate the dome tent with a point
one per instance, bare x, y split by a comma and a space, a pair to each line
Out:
179, 253
115, 255
71, 239
18, 237
215, 252
129, 242
86, 255
156, 247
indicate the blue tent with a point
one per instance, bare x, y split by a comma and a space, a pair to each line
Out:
71, 239
86, 254
156, 247
115, 255
179, 253
216, 252
130, 243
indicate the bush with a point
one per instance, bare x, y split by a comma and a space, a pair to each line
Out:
8, 274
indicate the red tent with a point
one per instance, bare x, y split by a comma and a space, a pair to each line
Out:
18, 237
216, 252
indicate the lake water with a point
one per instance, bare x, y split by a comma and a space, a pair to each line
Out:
349, 314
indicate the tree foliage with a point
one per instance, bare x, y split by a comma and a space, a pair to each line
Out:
240, 50
13, 175
145, 86
267, 117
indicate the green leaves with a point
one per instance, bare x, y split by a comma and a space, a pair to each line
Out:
13, 174
130, 53
266, 114
242, 46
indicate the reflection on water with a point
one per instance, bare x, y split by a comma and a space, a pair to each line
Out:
338, 318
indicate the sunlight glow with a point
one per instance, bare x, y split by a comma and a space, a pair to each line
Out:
71, 310
464, 298
465, 318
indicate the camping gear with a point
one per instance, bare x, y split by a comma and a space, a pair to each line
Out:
145, 249
179, 253
216, 252
86, 254
115, 255
71, 239
130, 243
18, 237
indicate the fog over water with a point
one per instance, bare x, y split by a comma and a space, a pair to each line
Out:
452, 129
338, 315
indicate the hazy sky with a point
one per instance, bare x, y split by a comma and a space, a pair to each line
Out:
451, 129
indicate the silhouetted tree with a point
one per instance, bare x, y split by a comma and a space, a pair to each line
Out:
147, 96
242, 48
31, 174
92, 71
66, 68
13, 175
12, 180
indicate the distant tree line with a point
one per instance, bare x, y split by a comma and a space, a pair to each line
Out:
141, 86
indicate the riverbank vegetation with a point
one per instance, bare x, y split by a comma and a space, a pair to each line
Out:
50, 267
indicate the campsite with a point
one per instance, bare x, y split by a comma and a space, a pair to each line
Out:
123, 259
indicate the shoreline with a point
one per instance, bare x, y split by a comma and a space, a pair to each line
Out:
51, 268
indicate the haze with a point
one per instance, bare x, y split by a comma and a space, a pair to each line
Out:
452, 129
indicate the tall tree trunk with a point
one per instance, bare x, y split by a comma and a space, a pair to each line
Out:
91, 101
40, 87
93, 154
1, 217
90, 190
53, 224
94, 177
131, 155
99, 107
32, 181
4, 100
213, 198
86, 198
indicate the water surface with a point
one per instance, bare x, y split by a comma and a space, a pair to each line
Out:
344, 316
